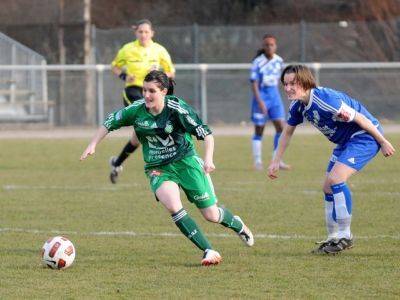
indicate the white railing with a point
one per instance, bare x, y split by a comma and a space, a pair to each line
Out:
22, 89
202, 68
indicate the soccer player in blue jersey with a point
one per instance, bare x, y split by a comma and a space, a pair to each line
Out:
266, 104
164, 125
345, 122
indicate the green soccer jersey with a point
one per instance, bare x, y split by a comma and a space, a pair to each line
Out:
166, 137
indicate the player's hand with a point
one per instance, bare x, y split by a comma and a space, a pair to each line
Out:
272, 169
90, 150
262, 107
130, 78
208, 167
387, 149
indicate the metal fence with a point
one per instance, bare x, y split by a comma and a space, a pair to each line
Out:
344, 41
219, 92
23, 92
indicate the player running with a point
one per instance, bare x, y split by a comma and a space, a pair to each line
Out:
345, 122
164, 126
266, 102
133, 61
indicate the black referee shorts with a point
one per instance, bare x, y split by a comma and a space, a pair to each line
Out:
131, 94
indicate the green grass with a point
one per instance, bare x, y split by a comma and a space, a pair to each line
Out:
118, 230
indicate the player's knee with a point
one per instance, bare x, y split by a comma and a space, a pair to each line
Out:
332, 179
211, 215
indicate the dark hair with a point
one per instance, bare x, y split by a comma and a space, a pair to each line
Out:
141, 22
171, 86
302, 75
266, 36
163, 81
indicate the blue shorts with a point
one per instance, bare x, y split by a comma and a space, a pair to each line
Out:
356, 153
273, 102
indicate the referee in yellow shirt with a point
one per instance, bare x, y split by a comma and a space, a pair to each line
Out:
132, 63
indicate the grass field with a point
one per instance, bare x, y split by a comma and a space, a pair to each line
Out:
128, 247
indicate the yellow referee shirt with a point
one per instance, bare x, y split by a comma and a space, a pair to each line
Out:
139, 60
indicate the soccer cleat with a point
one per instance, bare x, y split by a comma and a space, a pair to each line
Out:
115, 170
338, 246
322, 245
283, 166
211, 257
245, 234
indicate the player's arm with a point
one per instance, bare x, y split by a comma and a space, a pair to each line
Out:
98, 137
256, 93
117, 71
386, 147
121, 73
166, 63
208, 154
284, 141
118, 67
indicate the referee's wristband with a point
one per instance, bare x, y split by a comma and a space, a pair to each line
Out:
122, 76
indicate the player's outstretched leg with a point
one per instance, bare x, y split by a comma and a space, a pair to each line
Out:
116, 162
211, 257
192, 231
227, 219
114, 170
245, 233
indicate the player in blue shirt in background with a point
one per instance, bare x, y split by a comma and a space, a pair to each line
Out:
345, 122
267, 104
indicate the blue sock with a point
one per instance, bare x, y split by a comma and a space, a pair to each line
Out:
343, 190
257, 137
276, 140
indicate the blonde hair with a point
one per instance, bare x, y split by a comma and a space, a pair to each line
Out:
302, 75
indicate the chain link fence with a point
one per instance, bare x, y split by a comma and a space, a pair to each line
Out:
323, 42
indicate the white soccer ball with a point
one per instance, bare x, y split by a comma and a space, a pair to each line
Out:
58, 253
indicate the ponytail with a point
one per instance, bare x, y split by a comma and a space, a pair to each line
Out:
171, 86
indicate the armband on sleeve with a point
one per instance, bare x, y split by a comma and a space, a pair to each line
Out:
346, 113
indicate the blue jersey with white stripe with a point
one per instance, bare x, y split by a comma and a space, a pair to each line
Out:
331, 112
266, 71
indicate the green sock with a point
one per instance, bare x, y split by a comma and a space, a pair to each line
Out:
190, 229
227, 219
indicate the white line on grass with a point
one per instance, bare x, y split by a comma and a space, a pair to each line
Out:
12, 187
172, 234
382, 193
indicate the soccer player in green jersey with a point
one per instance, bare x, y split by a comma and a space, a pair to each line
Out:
164, 125
133, 61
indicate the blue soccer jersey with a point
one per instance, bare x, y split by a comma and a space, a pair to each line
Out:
331, 112
267, 73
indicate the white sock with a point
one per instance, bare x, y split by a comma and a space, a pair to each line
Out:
344, 228
343, 216
331, 225
257, 150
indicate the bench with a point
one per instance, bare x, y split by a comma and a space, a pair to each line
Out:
9, 92
19, 111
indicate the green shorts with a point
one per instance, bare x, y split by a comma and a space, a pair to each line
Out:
189, 175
